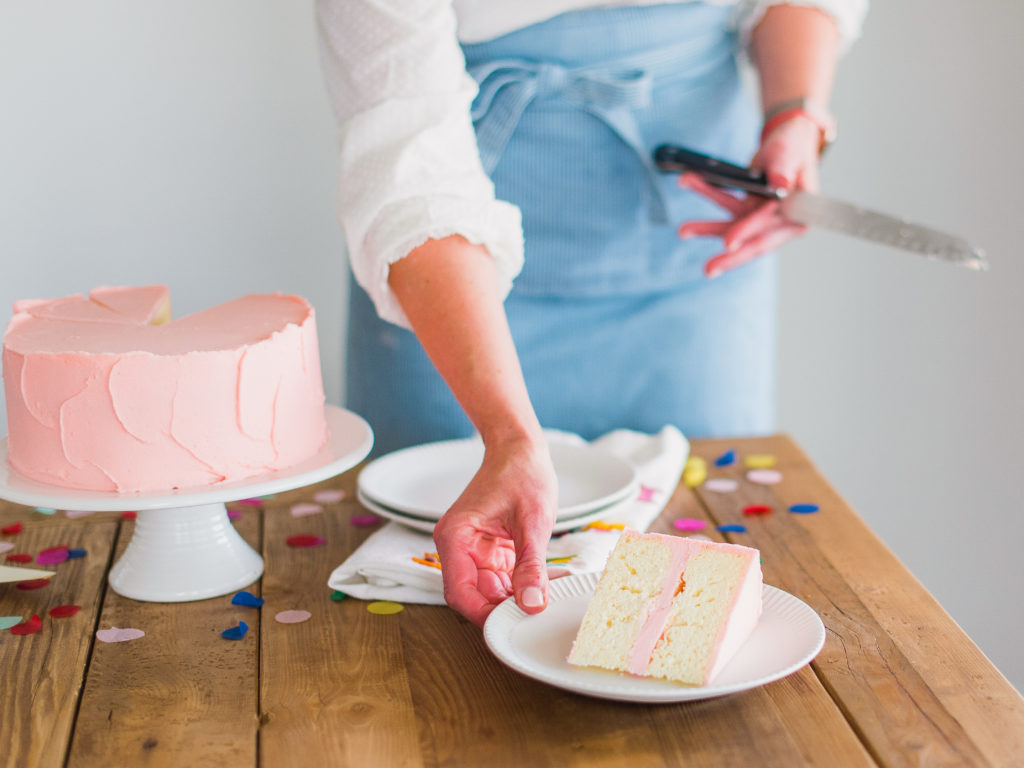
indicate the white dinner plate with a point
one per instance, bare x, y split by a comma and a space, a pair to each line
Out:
425, 480
427, 526
788, 635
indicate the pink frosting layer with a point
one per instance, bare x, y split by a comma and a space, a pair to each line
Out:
742, 616
99, 399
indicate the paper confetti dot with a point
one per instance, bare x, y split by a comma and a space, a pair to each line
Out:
337, 596
268, 496
302, 510
646, 494
732, 528
250, 502
804, 509
10, 530
20, 557
234, 514
759, 461
757, 509
726, 459
6, 622
385, 608
328, 496
292, 617
695, 471
248, 599
764, 476
305, 540
6, 546
690, 524
235, 633
129, 515
63, 611
73, 513
52, 556
74, 553
721, 485
116, 635
46, 510
364, 520
33, 584
29, 627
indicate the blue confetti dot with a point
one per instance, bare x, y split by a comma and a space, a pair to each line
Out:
235, 633
732, 528
74, 554
726, 459
46, 511
247, 598
804, 509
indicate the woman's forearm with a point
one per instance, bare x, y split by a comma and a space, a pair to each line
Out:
448, 291
795, 49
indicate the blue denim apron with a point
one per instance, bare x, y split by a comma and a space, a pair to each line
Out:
614, 322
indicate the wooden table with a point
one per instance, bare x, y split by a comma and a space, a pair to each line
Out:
897, 683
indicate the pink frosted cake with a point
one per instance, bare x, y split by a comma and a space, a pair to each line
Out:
106, 393
670, 607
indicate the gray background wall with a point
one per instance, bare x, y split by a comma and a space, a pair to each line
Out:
190, 143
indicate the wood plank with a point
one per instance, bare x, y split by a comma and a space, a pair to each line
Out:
181, 695
898, 715
335, 689
43, 673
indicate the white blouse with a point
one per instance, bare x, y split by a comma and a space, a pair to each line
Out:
410, 171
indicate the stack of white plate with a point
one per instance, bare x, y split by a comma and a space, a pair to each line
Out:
416, 486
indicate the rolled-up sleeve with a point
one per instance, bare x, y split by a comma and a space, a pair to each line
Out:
847, 14
409, 166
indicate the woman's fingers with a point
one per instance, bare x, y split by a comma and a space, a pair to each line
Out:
727, 200
704, 229
751, 249
763, 218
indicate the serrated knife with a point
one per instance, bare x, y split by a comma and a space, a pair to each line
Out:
818, 211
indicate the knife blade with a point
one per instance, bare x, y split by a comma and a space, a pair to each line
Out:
819, 211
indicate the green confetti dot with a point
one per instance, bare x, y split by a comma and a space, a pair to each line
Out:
337, 596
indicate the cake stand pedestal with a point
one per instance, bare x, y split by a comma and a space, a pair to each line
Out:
184, 546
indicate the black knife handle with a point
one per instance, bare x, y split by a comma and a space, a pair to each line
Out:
673, 159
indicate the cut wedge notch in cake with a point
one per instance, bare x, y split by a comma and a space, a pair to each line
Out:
670, 607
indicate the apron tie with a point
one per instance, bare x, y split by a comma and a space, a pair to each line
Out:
508, 86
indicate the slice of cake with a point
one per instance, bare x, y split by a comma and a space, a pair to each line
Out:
670, 607
107, 393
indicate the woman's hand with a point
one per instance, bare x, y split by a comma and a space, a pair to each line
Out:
493, 542
789, 156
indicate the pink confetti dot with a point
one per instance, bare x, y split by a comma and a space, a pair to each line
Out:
764, 476
73, 513
364, 520
250, 502
329, 496
646, 494
292, 617
116, 635
721, 485
52, 556
689, 524
302, 510
234, 514
6, 546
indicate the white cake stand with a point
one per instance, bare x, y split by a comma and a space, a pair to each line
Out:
184, 546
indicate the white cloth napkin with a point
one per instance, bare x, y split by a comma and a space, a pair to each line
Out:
383, 568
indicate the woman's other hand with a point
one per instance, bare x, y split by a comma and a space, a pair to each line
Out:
493, 541
789, 156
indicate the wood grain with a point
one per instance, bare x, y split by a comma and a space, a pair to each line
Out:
333, 690
886, 700
181, 695
42, 673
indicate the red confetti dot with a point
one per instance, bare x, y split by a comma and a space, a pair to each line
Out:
11, 529
129, 515
63, 611
757, 509
364, 520
305, 540
250, 502
34, 584
55, 549
29, 627
20, 558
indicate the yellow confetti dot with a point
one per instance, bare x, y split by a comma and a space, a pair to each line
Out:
759, 461
385, 608
695, 471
